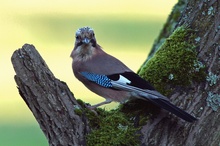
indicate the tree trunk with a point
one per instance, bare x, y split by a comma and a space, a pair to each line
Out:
203, 17
54, 106
49, 99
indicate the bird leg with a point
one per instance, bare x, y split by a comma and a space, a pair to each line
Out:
99, 104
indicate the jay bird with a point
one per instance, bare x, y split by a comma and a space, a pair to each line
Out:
108, 77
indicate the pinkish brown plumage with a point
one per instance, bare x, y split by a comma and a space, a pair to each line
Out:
108, 77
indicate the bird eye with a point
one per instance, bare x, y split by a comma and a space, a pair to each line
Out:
77, 37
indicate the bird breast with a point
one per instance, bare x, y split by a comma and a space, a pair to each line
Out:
83, 53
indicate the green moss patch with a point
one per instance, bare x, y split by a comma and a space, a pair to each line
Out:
175, 63
115, 127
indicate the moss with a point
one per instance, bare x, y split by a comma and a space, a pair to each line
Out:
175, 63
168, 27
78, 112
121, 126
92, 116
114, 128
77, 109
80, 102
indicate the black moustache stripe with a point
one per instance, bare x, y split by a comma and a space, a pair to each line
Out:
93, 43
79, 44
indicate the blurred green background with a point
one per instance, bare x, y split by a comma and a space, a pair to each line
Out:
125, 29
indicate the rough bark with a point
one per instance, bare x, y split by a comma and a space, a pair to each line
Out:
204, 18
49, 99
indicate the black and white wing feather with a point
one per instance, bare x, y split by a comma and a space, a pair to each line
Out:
129, 81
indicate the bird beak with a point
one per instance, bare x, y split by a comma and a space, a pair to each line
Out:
86, 41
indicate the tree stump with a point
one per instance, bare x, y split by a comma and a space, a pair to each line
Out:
49, 99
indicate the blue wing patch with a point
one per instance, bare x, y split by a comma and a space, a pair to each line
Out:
102, 80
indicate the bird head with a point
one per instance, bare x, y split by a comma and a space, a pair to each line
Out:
85, 44
85, 37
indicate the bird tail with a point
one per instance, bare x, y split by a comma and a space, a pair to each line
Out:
156, 98
165, 104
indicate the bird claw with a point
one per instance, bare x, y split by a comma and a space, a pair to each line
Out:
92, 109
